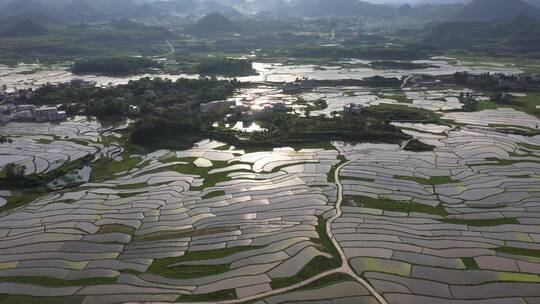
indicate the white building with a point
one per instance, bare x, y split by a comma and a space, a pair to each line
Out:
247, 116
25, 108
25, 115
45, 114
134, 110
61, 115
353, 109
51, 114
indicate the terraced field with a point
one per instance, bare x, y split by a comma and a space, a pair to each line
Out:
366, 223
457, 225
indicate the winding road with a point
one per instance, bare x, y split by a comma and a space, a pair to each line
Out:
345, 267
171, 52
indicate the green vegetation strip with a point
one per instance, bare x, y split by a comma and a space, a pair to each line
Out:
519, 251
525, 104
483, 222
28, 188
53, 282
162, 266
22, 198
360, 179
106, 168
189, 168
504, 162
214, 194
188, 233
332, 173
530, 147
116, 228
17, 299
394, 206
318, 264
326, 281
433, 181
470, 263
188, 271
418, 146
410, 207
222, 295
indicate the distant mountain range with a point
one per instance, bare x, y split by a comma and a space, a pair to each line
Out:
489, 10
517, 36
24, 28
80, 11
214, 23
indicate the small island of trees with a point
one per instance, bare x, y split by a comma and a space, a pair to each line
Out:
227, 67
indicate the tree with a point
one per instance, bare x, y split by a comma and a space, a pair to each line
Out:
14, 172
5, 139
502, 98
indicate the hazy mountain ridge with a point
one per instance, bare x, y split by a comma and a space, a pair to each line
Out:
88, 11
489, 10
518, 36
24, 28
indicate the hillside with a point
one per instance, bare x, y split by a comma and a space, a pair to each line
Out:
491, 10
214, 23
24, 28
316, 8
519, 36
534, 2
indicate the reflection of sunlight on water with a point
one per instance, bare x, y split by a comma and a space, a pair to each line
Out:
249, 127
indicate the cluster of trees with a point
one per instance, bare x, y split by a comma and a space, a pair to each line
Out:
107, 107
372, 124
375, 53
14, 176
501, 97
4, 139
496, 81
469, 102
417, 146
153, 96
400, 65
179, 121
228, 67
114, 66
518, 36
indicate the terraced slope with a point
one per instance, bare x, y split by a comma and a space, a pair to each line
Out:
457, 225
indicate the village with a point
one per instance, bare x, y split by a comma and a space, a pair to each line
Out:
18, 105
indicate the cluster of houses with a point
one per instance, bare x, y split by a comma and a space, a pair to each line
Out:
12, 107
352, 109
500, 81
19, 113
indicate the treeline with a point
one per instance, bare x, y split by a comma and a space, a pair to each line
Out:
315, 51
114, 66
4, 139
165, 107
518, 36
152, 96
374, 124
400, 65
227, 67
